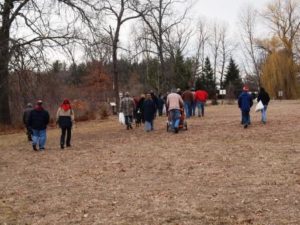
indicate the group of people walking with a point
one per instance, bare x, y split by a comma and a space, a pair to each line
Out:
143, 110
36, 120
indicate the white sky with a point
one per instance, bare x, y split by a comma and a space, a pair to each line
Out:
224, 10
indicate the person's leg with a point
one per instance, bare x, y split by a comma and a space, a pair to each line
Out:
193, 108
42, 139
35, 138
202, 108
199, 108
127, 122
69, 135
186, 109
176, 120
62, 137
264, 114
130, 121
29, 133
190, 109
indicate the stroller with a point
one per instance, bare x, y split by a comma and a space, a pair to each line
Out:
182, 121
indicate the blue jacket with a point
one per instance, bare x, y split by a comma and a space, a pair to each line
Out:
245, 101
149, 110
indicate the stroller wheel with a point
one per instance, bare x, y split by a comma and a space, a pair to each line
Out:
185, 125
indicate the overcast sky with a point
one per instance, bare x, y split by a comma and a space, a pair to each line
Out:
224, 10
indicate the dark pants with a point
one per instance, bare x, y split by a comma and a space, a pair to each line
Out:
128, 121
65, 130
245, 117
29, 133
160, 111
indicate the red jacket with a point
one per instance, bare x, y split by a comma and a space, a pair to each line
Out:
201, 96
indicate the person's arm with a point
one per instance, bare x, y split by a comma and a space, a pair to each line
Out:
72, 116
57, 114
181, 102
240, 102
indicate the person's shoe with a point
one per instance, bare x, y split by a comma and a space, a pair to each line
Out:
42, 149
176, 130
130, 127
245, 126
62, 146
34, 147
68, 146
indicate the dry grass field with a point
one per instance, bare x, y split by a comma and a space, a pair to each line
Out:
216, 173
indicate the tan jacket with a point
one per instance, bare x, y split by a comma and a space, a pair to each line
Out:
174, 101
61, 112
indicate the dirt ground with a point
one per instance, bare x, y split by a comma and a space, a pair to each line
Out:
216, 173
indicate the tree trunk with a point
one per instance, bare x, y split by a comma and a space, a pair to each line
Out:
4, 61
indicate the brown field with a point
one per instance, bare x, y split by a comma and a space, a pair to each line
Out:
216, 173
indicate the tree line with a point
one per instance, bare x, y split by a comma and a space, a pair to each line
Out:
165, 48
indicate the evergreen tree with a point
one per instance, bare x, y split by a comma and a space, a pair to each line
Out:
232, 77
182, 70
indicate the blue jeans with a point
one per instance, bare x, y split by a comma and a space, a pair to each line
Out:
194, 108
188, 109
200, 106
39, 137
245, 117
264, 114
175, 118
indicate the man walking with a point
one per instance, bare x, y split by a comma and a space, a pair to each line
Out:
173, 104
200, 98
26, 115
245, 103
38, 121
188, 100
127, 107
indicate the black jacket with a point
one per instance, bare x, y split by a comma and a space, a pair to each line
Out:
263, 97
38, 119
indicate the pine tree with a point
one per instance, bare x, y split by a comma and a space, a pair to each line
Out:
232, 77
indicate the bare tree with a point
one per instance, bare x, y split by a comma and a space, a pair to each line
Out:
202, 35
250, 46
159, 21
120, 11
28, 28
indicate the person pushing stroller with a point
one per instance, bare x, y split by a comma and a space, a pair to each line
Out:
174, 104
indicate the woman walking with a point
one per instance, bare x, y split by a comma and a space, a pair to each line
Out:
149, 110
65, 119
264, 97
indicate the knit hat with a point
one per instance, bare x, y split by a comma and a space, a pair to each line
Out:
39, 102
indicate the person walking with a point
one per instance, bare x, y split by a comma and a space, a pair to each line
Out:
127, 106
149, 109
26, 115
201, 98
160, 104
245, 103
188, 100
264, 97
65, 118
174, 104
38, 121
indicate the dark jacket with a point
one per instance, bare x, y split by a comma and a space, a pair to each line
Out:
38, 119
263, 97
26, 115
245, 101
149, 110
